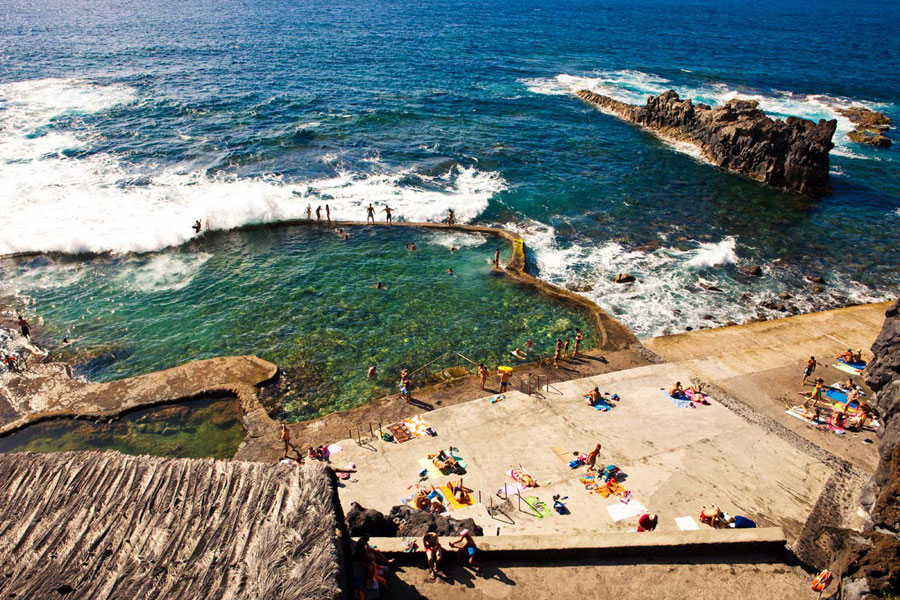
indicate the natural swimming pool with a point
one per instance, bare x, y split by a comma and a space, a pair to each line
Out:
196, 429
298, 296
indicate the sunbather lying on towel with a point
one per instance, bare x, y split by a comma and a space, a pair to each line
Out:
811, 414
445, 462
679, 392
522, 476
460, 492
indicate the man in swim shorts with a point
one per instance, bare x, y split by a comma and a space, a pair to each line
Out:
467, 548
23, 325
387, 214
504, 381
809, 369
370, 214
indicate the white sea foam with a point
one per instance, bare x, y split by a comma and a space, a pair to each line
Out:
162, 272
452, 239
72, 205
714, 255
634, 87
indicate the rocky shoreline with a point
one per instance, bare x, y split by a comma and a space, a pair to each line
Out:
870, 126
790, 155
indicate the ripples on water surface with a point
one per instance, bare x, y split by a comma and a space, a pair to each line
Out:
122, 124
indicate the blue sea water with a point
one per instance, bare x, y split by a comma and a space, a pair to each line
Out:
122, 122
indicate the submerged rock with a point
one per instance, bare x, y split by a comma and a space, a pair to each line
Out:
790, 155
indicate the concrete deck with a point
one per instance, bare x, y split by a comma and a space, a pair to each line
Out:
761, 364
676, 459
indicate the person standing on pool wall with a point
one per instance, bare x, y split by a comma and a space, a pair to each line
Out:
26, 329
370, 213
387, 214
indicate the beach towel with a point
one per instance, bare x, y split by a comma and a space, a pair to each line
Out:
522, 476
541, 510
837, 430
836, 395
847, 369
416, 426
679, 402
619, 511
563, 454
400, 432
686, 524
797, 412
332, 450
511, 489
858, 366
601, 405
451, 499
697, 397
427, 465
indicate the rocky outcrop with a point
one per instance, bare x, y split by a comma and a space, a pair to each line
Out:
869, 563
870, 126
404, 521
790, 155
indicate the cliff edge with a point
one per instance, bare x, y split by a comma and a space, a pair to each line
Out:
790, 155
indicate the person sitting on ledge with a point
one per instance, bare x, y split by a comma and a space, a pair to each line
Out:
677, 391
837, 420
647, 522
594, 398
858, 420
317, 453
467, 548
712, 516
857, 357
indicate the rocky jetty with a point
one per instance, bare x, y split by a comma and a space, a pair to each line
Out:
870, 126
790, 155
869, 562
404, 521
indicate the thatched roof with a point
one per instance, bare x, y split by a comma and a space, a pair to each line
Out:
110, 526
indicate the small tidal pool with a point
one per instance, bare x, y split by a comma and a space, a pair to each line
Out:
298, 296
196, 429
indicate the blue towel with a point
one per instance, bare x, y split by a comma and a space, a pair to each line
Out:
679, 402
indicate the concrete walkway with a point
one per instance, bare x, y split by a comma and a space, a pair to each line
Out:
760, 364
676, 459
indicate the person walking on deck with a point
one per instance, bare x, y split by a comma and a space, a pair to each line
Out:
370, 214
809, 369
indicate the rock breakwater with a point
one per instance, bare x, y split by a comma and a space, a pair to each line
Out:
790, 155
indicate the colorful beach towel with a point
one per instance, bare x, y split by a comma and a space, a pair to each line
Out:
447, 491
847, 369
416, 426
541, 510
511, 490
797, 412
400, 432
522, 476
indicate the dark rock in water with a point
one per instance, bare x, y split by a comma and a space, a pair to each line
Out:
754, 270
790, 155
785, 295
624, 278
818, 279
870, 126
708, 318
688, 328
580, 287
869, 563
817, 289
710, 288
730, 324
366, 521
413, 523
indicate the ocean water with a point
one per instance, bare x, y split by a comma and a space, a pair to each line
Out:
122, 123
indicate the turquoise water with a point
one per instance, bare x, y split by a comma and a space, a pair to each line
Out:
123, 123
300, 297
198, 429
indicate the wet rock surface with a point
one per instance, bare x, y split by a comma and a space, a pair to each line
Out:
870, 126
791, 155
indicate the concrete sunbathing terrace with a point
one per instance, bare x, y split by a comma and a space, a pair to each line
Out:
676, 459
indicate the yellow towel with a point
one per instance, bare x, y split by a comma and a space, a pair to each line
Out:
451, 499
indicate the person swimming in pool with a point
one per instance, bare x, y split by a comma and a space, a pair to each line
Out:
450, 272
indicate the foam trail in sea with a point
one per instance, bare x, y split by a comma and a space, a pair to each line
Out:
634, 87
96, 203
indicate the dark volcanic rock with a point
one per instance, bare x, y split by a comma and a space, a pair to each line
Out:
790, 155
623, 278
404, 521
411, 523
869, 564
